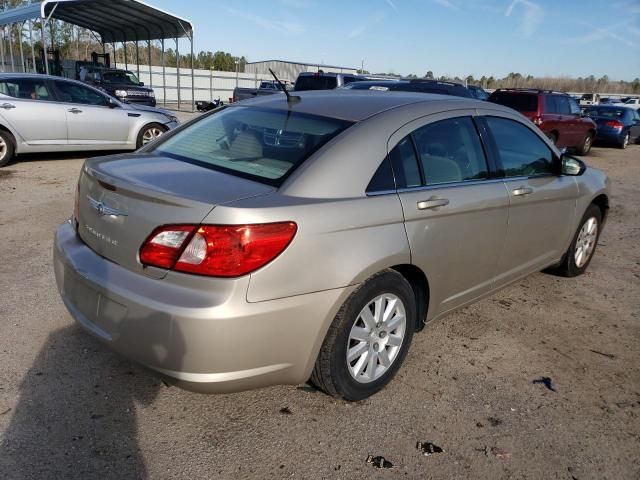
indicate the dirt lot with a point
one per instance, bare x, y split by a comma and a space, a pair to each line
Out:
69, 408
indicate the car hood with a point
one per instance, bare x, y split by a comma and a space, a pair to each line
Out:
145, 108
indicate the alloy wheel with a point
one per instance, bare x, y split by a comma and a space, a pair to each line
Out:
376, 338
3, 149
150, 134
586, 242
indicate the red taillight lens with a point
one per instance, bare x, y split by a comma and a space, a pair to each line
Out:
217, 250
537, 120
615, 124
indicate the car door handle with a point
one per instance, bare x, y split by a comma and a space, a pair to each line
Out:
433, 203
7, 106
519, 192
75, 111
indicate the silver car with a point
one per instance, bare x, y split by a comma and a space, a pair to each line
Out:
274, 241
51, 114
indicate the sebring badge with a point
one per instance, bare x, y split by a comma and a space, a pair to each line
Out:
103, 210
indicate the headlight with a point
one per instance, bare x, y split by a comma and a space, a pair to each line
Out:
152, 94
121, 93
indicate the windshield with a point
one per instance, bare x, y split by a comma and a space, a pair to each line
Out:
522, 102
587, 96
261, 144
121, 78
631, 101
315, 82
606, 112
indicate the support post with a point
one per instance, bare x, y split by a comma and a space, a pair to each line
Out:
33, 50
164, 77
137, 57
24, 68
150, 71
193, 77
115, 55
13, 63
178, 70
2, 49
126, 58
44, 47
211, 84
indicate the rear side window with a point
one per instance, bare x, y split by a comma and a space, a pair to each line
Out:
74, 93
405, 164
260, 144
315, 82
26, 88
522, 152
450, 151
522, 102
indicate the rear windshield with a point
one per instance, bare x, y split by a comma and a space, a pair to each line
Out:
256, 143
522, 102
313, 82
606, 112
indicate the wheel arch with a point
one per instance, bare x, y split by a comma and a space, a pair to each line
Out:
602, 202
420, 286
12, 135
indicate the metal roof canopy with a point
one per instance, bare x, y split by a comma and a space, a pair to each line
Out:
116, 21
113, 20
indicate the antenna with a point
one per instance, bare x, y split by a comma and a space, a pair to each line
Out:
290, 98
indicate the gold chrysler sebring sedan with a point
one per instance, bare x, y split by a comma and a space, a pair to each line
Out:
292, 238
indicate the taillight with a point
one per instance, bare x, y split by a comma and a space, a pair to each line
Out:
537, 120
216, 250
76, 205
615, 124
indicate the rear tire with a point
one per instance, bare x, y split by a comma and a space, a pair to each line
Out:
149, 133
577, 259
587, 143
7, 150
359, 358
625, 141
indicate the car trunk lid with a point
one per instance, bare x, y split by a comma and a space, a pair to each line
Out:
122, 199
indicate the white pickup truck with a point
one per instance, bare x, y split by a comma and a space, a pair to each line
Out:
589, 99
633, 103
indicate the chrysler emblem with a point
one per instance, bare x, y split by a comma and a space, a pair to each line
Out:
103, 210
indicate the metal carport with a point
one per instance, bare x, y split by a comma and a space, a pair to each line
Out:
114, 21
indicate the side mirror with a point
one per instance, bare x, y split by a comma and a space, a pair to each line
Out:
572, 166
141, 84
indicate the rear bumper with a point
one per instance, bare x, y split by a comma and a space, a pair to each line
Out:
610, 135
203, 339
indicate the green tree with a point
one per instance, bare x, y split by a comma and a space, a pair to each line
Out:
429, 74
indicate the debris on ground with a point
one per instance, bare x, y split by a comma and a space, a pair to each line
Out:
547, 382
500, 453
494, 421
379, 462
96, 416
608, 355
286, 411
428, 448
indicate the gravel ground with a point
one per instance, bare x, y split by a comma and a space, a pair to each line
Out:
69, 408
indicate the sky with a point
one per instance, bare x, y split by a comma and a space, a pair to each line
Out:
449, 37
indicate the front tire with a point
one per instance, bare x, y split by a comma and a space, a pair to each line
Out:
7, 150
577, 259
368, 339
149, 133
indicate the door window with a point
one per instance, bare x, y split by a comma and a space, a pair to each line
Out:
405, 164
562, 105
522, 152
450, 151
574, 107
26, 88
73, 93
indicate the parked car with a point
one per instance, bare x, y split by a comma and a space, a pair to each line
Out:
421, 86
225, 259
206, 106
266, 88
589, 99
617, 124
121, 84
51, 114
632, 103
478, 92
555, 113
324, 81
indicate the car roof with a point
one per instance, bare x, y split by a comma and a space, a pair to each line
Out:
357, 105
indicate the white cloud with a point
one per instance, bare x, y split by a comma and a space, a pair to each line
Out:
368, 23
531, 18
447, 4
392, 4
289, 24
606, 33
